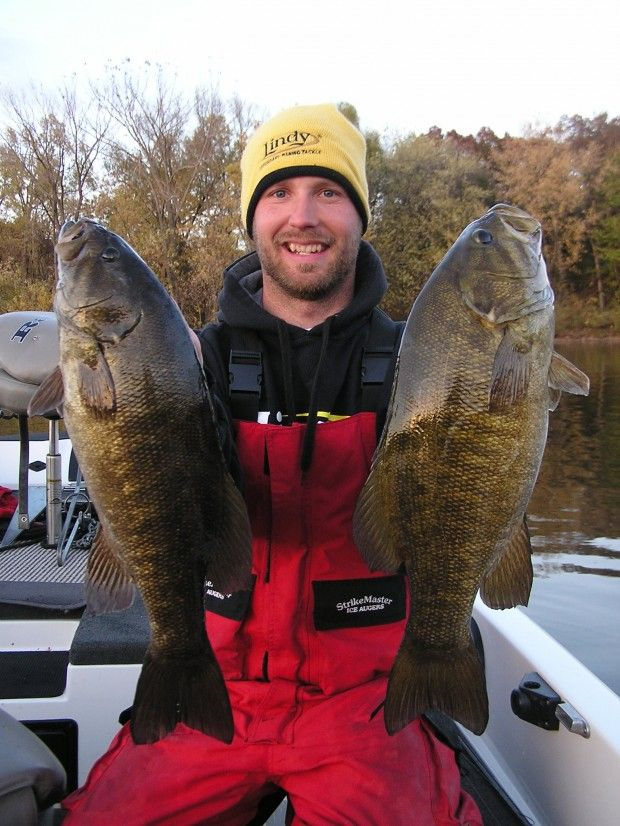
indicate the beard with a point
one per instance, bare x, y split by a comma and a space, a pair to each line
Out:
315, 283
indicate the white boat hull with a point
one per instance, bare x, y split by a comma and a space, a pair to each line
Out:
556, 778
94, 695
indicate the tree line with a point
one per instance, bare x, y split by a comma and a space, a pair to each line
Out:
163, 172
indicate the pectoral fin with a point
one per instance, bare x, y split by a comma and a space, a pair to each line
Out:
49, 397
97, 385
509, 582
511, 374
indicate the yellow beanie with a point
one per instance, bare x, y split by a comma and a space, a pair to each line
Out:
305, 140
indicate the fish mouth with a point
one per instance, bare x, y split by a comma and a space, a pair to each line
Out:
510, 278
503, 224
517, 222
74, 235
84, 303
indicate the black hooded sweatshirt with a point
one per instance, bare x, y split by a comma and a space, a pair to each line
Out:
307, 375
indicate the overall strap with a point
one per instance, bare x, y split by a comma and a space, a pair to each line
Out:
246, 367
245, 374
377, 357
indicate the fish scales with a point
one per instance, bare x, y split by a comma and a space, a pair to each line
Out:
459, 456
138, 411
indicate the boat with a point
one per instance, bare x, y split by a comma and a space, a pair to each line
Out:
550, 755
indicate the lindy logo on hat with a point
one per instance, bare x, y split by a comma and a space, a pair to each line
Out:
293, 139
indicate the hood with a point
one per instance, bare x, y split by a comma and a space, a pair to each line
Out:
305, 370
241, 306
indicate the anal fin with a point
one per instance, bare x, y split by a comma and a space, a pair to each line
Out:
372, 532
509, 582
230, 554
109, 586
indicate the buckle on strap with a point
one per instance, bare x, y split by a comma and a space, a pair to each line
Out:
245, 372
375, 364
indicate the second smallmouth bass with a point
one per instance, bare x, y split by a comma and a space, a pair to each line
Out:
459, 455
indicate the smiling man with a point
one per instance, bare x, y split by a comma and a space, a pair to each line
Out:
301, 363
307, 234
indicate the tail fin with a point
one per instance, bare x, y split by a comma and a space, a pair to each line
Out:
451, 682
183, 689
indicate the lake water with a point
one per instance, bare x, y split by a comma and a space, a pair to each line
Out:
574, 517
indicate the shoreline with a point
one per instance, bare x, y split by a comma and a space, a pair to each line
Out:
587, 337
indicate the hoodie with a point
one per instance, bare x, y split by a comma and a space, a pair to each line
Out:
307, 375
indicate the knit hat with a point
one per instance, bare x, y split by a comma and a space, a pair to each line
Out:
305, 140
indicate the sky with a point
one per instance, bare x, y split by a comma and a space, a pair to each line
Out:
406, 65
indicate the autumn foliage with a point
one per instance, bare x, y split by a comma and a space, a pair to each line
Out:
164, 172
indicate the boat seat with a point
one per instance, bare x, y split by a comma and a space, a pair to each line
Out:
31, 778
29, 352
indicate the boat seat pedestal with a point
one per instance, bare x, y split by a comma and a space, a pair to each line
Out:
29, 352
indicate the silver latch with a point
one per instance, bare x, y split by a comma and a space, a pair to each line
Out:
536, 702
572, 719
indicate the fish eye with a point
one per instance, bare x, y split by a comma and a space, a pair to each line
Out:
482, 236
110, 254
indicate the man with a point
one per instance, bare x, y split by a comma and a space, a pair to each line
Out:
302, 360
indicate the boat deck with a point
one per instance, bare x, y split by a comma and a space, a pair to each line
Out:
31, 576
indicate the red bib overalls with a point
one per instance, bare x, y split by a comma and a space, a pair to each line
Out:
306, 656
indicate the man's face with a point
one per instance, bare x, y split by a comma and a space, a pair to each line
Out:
307, 234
